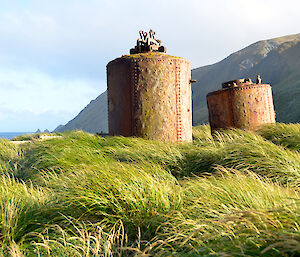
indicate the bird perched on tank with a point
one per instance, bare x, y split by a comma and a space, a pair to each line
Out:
258, 79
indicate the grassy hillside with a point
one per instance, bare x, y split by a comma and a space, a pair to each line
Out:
83, 195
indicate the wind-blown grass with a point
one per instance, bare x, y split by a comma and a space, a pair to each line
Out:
287, 135
236, 193
10, 157
243, 151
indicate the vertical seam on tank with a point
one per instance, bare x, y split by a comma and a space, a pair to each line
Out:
269, 106
231, 92
272, 105
107, 100
178, 102
273, 116
134, 96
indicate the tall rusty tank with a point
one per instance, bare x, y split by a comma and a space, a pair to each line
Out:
149, 95
241, 104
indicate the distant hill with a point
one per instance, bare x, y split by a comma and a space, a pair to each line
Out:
277, 60
93, 118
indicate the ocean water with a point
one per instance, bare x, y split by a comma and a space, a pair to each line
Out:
10, 135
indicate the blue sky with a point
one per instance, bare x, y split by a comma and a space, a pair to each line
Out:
53, 53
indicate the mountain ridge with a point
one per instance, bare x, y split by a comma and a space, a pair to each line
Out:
266, 61
93, 118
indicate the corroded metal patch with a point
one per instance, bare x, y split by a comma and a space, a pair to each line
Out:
245, 106
159, 93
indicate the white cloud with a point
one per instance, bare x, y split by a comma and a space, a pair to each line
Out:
82, 35
37, 92
26, 121
36, 95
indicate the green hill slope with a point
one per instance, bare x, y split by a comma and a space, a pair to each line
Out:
93, 118
277, 60
236, 194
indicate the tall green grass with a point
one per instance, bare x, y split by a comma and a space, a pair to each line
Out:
243, 151
287, 135
234, 194
10, 158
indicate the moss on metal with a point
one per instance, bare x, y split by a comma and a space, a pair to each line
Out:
156, 85
152, 109
149, 55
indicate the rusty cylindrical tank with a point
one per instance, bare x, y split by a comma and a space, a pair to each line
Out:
240, 104
149, 96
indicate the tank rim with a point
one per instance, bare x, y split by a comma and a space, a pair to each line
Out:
151, 55
249, 86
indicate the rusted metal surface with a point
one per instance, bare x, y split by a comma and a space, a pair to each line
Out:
241, 104
149, 96
147, 43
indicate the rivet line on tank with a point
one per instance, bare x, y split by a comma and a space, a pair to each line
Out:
178, 104
135, 97
107, 93
269, 105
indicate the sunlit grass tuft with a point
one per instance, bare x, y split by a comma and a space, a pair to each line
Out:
287, 135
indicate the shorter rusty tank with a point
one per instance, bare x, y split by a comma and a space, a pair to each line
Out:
149, 93
241, 104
